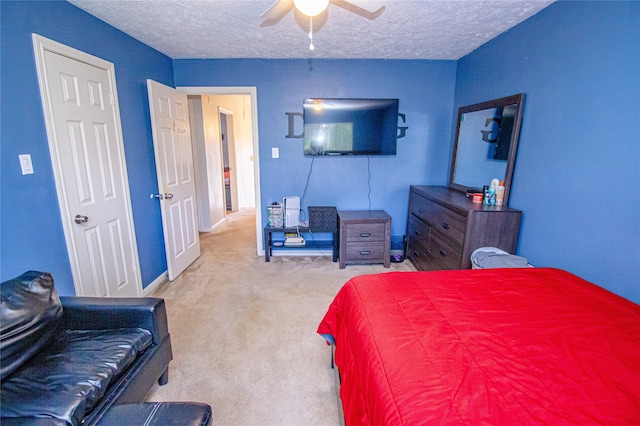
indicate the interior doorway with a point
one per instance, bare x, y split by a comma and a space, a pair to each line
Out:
235, 111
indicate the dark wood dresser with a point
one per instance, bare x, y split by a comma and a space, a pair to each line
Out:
444, 227
365, 237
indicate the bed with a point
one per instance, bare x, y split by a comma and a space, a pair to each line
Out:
488, 346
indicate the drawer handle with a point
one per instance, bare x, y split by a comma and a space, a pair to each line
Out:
445, 225
416, 232
420, 210
443, 253
365, 234
415, 253
365, 252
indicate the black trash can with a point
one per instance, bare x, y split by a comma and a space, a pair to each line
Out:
398, 246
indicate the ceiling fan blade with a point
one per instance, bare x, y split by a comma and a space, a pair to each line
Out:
276, 12
369, 9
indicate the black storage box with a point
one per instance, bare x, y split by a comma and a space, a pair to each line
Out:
323, 218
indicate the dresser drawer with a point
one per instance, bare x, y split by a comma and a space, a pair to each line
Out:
365, 232
418, 254
422, 259
418, 230
447, 253
446, 221
365, 252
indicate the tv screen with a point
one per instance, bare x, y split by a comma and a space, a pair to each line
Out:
350, 126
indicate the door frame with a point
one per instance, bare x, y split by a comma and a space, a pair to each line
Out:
253, 94
40, 46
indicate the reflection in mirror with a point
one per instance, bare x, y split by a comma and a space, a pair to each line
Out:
486, 143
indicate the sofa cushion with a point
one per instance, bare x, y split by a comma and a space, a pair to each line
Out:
30, 318
69, 377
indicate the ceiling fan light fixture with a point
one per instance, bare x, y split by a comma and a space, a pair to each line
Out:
311, 7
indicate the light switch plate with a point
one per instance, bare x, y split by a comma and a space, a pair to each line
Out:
26, 164
275, 152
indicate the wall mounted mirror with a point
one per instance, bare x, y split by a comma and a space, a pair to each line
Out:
486, 144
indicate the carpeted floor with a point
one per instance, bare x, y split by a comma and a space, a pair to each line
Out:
243, 331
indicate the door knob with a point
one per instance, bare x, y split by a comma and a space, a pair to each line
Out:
161, 196
79, 219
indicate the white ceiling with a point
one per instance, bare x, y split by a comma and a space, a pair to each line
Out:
406, 29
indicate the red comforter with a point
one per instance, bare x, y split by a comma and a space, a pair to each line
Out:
493, 346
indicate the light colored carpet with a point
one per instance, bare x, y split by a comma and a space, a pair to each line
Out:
244, 331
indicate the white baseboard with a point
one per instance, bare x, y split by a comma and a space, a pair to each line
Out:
154, 284
212, 227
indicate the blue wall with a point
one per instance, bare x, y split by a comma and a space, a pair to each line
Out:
425, 90
31, 234
577, 175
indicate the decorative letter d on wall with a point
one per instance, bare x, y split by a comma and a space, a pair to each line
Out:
291, 117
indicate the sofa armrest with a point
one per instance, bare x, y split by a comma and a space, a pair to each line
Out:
99, 313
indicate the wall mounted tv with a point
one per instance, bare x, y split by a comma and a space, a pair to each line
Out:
350, 126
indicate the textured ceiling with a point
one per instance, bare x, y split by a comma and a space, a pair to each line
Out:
406, 29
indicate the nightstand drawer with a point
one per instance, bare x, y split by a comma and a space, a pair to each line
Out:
439, 217
449, 254
366, 232
365, 252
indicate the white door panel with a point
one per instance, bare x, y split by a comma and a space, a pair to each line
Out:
80, 104
191, 218
176, 180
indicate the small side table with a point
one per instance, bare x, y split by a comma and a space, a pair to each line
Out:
269, 243
365, 237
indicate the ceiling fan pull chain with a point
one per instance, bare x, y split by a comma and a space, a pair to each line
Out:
311, 46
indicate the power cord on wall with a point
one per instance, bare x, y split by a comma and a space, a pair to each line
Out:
302, 212
369, 180
313, 158
313, 238
309, 178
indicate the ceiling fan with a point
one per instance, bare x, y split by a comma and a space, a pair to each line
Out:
369, 9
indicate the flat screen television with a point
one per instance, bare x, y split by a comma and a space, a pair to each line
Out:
350, 126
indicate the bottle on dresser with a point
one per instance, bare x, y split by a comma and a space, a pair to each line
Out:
490, 193
486, 195
500, 194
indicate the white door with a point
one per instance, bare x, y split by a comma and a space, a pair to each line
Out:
85, 140
176, 179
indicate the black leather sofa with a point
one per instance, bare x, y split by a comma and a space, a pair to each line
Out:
69, 360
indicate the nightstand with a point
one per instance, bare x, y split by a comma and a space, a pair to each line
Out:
365, 237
